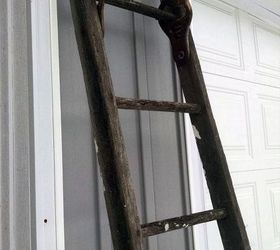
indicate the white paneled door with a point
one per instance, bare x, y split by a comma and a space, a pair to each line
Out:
240, 57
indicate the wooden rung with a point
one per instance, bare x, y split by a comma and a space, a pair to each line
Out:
143, 9
152, 105
164, 226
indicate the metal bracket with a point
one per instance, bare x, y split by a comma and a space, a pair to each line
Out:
178, 30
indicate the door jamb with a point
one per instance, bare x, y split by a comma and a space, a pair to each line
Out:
47, 126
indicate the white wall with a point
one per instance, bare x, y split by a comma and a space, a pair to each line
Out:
240, 57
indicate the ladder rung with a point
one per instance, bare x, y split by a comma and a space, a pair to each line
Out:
152, 105
142, 9
163, 226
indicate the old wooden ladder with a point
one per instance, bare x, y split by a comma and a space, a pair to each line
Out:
174, 17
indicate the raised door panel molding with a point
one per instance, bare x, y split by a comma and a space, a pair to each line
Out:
267, 50
231, 113
274, 196
248, 202
216, 31
270, 114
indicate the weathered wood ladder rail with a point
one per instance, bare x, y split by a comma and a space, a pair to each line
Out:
127, 233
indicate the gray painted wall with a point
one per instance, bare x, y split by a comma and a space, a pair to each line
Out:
140, 61
16, 126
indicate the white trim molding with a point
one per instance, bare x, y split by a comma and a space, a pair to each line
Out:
47, 127
268, 10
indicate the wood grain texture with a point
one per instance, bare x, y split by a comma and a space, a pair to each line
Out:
232, 229
182, 222
211, 152
119, 195
152, 105
141, 8
120, 200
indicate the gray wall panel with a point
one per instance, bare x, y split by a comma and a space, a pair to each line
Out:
16, 126
80, 185
166, 163
140, 61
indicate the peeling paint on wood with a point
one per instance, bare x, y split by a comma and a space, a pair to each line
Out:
182, 222
196, 132
124, 223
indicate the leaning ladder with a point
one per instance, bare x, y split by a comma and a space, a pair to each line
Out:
174, 18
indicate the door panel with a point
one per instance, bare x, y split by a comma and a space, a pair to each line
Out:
241, 68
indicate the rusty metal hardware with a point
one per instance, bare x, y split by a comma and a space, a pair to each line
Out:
178, 30
174, 18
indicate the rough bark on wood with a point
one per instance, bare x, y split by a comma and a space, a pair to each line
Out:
119, 195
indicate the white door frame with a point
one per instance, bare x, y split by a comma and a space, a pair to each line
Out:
47, 126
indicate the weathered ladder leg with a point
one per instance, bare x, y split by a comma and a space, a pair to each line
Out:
218, 178
119, 196
232, 229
